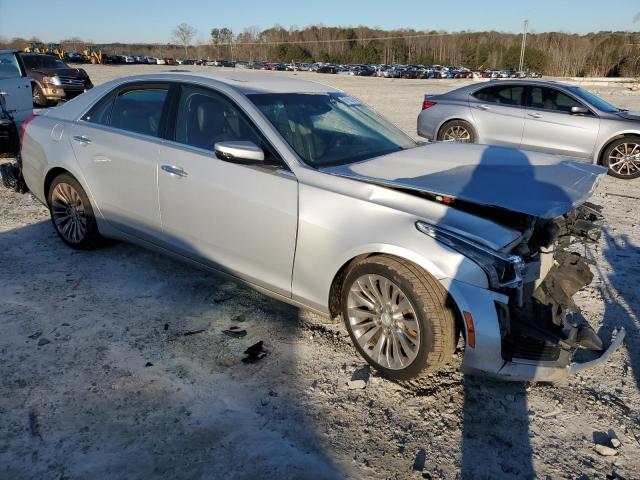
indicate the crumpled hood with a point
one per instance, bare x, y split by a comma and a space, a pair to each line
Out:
629, 115
532, 183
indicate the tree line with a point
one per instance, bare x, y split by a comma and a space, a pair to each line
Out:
550, 53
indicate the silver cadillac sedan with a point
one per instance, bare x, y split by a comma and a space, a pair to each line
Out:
309, 196
537, 115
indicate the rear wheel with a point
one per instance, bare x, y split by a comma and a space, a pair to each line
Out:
622, 158
457, 131
72, 214
398, 316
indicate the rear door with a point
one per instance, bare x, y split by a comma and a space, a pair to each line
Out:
551, 127
117, 144
498, 114
16, 88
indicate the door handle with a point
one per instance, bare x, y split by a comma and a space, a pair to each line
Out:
177, 171
535, 115
81, 139
484, 107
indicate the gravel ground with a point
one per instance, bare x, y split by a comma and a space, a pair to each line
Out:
113, 365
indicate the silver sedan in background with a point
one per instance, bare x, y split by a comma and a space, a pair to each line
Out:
309, 196
537, 115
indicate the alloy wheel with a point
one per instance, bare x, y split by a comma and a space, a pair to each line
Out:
625, 159
456, 133
68, 212
383, 321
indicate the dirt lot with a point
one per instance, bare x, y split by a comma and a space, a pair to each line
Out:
113, 365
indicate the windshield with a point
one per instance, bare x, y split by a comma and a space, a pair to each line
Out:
42, 61
593, 100
330, 129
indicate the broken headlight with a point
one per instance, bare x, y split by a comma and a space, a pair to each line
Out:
503, 270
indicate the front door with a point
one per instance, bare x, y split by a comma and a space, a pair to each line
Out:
239, 218
551, 127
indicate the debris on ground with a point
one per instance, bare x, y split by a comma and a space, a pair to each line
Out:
356, 384
34, 424
614, 439
43, 341
148, 364
255, 352
421, 458
193, 332
606, 451
235, 331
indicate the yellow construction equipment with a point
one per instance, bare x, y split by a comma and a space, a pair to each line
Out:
56, 50
93, 55
35, 47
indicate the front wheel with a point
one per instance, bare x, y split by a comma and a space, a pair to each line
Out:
622, 158
72, 214
457, 131
398, 316
39, 99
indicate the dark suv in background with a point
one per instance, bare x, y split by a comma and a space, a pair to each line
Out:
53, 80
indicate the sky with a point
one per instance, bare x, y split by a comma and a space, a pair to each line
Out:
148, 21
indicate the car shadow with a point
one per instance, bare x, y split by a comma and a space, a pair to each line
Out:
620, 295
96, 387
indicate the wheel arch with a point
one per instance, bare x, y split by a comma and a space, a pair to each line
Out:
50, 176
335, 291
600, 153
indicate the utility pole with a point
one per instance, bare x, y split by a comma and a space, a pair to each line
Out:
524, 43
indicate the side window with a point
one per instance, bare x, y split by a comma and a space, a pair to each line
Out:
552, 99
506, 95
139, 110
100, 113
9, 67
205, 118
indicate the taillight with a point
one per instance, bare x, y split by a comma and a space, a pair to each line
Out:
427, 104
24, 128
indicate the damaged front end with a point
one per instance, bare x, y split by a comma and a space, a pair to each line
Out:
538, 327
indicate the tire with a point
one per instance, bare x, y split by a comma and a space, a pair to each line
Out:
39, 100
457, 131
622, 158
68, 200
427, 328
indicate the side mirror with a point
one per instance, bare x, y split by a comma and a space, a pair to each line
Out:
579, 110
239, 151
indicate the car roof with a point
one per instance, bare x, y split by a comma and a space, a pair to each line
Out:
10, 50
243, 82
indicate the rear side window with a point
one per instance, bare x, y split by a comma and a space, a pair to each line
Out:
139, 110
552, 99
100, 113
504, 95
9, 67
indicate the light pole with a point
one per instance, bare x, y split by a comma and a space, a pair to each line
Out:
524, 43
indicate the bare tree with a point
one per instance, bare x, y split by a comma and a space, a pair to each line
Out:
183, 35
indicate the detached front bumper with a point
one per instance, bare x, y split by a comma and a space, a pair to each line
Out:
485, 356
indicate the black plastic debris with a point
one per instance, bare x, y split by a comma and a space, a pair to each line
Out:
194, 332
148, 364
235, 331
255, 352
12, 178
